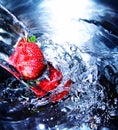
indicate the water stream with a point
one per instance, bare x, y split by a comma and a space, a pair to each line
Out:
79, 38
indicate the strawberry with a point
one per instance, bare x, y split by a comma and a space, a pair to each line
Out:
46, 85
55, 74
59, 95
28, 59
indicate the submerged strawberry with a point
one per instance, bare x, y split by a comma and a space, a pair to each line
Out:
59, 95
46, 85
28, 59
55, 74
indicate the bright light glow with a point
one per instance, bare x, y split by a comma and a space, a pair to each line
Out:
63, 20
69, 8
41, 127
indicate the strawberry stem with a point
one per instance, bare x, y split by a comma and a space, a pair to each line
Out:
32, 38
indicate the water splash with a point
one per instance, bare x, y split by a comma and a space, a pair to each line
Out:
89, 62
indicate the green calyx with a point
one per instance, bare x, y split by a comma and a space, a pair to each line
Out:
32, 39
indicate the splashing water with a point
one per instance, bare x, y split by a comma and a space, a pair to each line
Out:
87, 55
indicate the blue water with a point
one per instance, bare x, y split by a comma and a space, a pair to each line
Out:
81, 38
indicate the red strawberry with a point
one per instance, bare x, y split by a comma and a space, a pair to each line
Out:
28, 59
55, 74
43, 87
59, 95
46, 85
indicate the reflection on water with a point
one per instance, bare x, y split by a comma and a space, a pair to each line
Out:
81, 38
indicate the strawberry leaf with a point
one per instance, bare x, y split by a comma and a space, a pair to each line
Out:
32, 39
